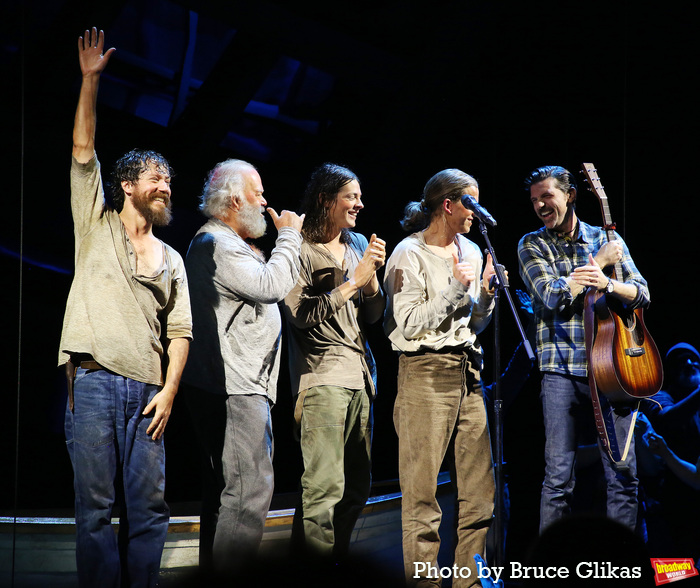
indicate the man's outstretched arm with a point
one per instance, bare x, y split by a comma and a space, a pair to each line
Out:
92, 64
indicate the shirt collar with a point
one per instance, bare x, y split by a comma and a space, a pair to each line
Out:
583, 233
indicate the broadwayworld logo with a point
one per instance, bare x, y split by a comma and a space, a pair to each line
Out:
667, 570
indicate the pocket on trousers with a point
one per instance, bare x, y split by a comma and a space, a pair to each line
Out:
92, 435
91, 423
318, 412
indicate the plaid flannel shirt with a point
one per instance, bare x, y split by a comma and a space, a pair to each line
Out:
545, 260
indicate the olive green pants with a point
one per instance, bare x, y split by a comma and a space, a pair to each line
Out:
336, 439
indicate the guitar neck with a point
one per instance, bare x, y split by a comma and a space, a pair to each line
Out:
608, 225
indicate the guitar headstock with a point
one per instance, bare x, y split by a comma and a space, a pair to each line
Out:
596, 186
594, 183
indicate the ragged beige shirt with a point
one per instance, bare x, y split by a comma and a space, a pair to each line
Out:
117, 316
327, 345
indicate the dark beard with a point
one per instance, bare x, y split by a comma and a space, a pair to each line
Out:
157, 218
160, 218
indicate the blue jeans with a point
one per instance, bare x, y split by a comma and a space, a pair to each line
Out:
566, 402
107, 442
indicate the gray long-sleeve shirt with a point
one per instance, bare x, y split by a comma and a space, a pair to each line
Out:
237, 324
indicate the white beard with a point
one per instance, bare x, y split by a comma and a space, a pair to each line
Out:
250, 218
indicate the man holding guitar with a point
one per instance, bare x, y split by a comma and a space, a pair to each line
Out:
558, 263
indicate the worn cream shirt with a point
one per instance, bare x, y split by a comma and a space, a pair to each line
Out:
119, 317
427, 307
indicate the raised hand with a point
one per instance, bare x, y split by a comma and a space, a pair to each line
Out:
90, 52
609, 254
463, 271
287, 218
92, 63
376, 251
489, 272
656, 443
590, 275
525, 301
371, 261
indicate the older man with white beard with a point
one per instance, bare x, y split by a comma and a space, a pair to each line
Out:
231, 377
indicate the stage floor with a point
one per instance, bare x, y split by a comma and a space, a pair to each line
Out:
40, 551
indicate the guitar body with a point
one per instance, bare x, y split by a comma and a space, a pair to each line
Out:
624, 358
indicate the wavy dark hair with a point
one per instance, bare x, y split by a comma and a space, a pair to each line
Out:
448, 183
319, 197
129, 168
563, 178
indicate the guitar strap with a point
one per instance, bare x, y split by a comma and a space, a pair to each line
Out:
608, 441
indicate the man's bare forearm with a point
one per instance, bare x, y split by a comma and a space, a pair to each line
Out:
178, 350
86, 119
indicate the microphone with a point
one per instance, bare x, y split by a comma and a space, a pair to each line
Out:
479, 211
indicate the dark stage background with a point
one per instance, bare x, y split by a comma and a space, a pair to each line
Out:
395, 90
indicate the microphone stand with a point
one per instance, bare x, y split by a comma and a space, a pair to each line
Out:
500, 283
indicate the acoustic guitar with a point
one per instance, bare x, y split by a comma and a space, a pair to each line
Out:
624, 359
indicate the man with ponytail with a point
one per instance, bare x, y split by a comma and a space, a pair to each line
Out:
438, 301
333, 373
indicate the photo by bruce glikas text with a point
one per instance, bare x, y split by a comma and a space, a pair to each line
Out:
517, 571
